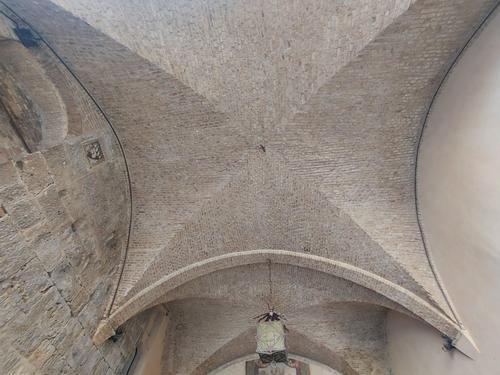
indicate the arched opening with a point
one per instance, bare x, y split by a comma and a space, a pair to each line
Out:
246, 366
33, 113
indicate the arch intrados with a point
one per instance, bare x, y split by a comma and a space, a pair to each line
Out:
245, 348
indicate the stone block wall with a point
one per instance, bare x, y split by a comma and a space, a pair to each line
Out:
64, 219
56, 276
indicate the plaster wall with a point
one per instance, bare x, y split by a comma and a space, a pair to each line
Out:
458, 182
149, 354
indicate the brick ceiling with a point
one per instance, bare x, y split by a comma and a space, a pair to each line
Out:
255, 130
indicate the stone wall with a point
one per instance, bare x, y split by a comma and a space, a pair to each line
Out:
64, 217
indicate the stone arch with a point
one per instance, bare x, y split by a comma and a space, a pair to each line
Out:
300, 345
392, 291
289, 284
36, 111
355, 331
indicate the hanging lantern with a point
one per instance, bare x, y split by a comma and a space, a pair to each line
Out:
271, 335
271, 340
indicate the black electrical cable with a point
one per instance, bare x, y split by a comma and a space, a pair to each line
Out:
132, 362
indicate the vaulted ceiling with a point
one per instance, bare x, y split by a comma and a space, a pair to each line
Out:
256, 130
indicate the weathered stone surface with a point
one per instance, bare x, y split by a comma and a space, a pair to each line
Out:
41, 322
53, 200
101, 368
23, 289
66, 280
11, 362
52, 206
12, 193
26, 213
47, 247
113, 355
89, 316
82, 351
34, 173
42, 354
13, 252
8, 174
56, 160
57, 364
